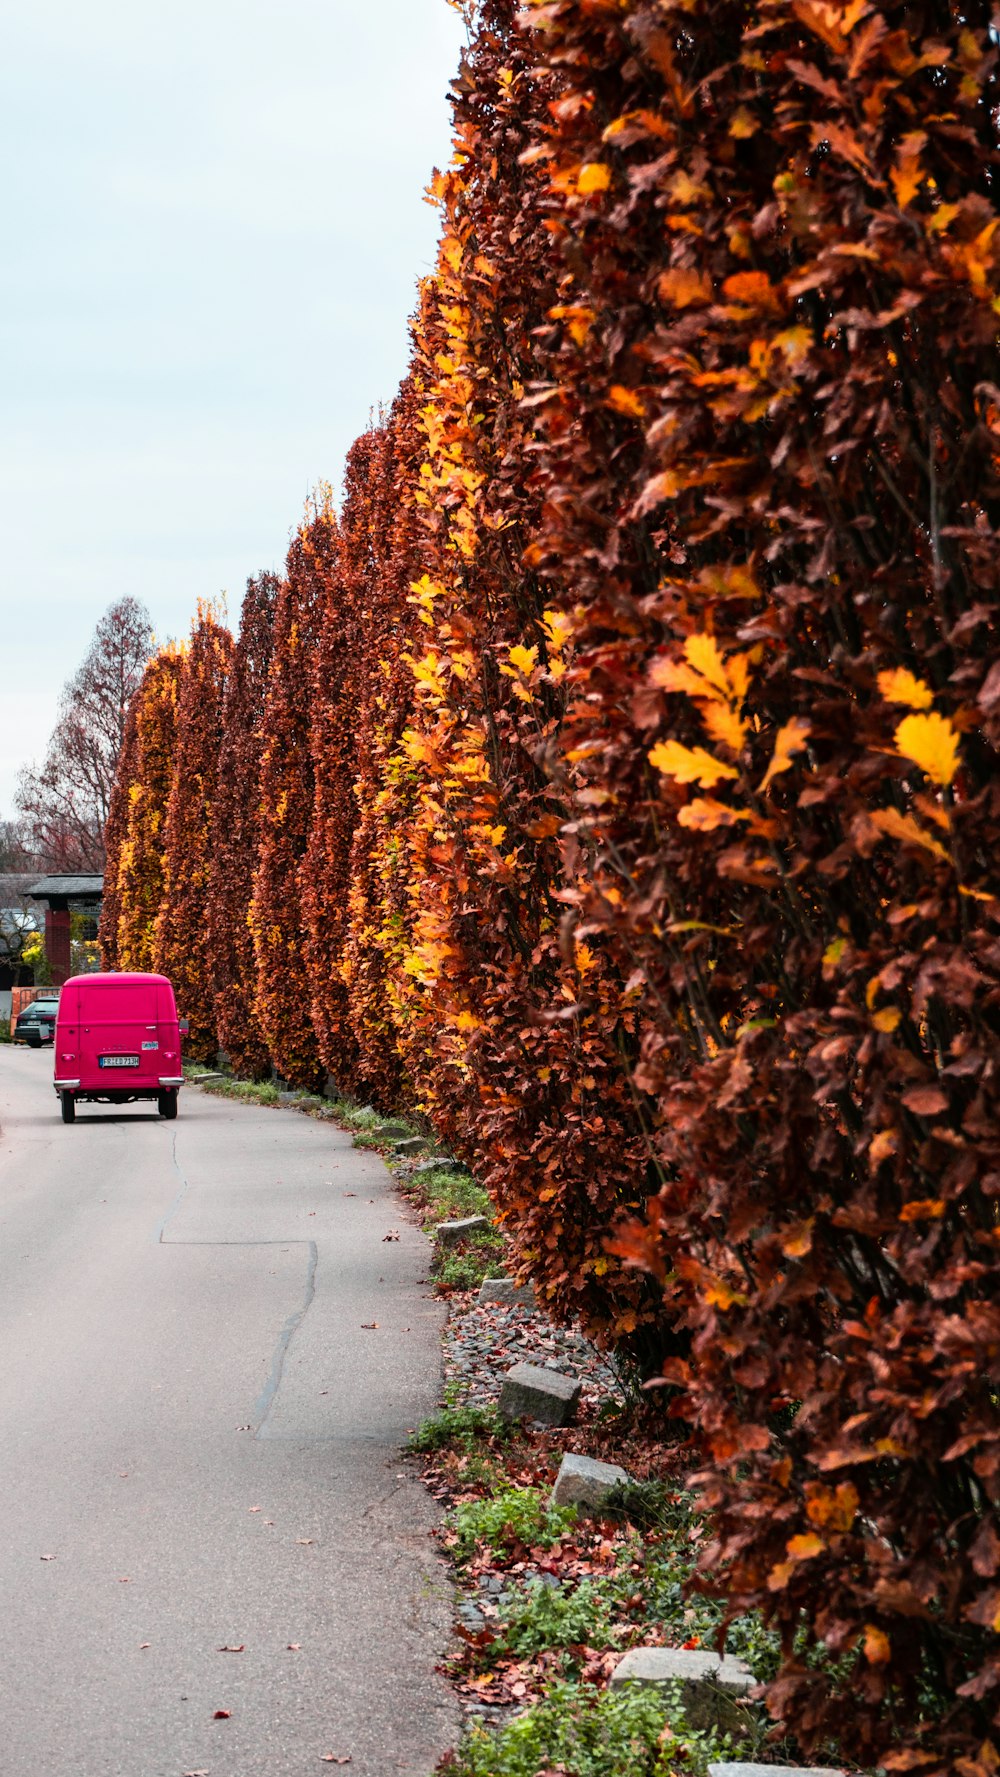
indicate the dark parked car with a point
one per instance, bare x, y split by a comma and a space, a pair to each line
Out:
36, 1024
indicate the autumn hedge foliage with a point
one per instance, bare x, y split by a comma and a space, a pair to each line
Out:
235, 834
629, 802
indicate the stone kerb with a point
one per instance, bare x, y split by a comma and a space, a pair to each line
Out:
584, 1483
735, 1768
449, 1233
681, 1665
501, 1292
545, 1396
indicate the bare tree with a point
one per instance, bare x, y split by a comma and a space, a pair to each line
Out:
64, 803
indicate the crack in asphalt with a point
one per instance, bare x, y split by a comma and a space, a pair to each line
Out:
265, 1400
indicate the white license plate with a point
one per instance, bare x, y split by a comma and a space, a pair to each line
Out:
118, 1060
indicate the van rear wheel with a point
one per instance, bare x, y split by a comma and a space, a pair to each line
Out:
166, 1104
68, 1103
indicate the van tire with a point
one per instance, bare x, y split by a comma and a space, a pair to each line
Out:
68, 1103
166, 1104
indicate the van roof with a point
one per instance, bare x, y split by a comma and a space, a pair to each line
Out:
124, 978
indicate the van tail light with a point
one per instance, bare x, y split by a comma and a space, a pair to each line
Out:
184, 1026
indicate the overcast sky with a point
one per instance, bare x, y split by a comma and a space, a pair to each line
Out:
212, 225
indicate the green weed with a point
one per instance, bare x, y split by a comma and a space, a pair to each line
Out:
464, 1267
457, 1428
582, 1732
517, 1515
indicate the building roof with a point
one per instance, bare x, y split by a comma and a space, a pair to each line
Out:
84, 887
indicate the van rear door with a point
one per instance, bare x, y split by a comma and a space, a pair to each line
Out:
118, 1031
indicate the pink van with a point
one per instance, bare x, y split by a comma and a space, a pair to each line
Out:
117, 1039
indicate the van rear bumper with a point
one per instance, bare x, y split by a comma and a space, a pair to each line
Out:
171, 1079
65, 1085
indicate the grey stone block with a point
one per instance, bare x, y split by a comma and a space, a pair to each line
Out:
585, 1483
450, 1233
391, 1130
505, 1293
736, 1768
289, 1097
684, 1665
545, 1396
413, 1145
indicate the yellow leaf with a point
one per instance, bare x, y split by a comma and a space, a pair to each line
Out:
891, 1447
900, 686
689, 765
525, 659
703, 814
595, 176
702, 652
878, 1648
803, 1548
931, 742
725, 726
887, 1019
719, 1295
791, 739
743, 124
832, 955
942, 218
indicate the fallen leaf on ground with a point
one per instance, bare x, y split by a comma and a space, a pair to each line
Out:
393, 1234
48, 1557
331, 1758
254, 1508
293, 1647
124, 1579
369, 1326
228, 1649
304, 1540
143, 1644
222, 1715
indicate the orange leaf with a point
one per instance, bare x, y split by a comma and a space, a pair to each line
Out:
725, 726
804, 1548
923, 1209
703, 814
683, 287
791, 739
752, 288
903, 826
878, 1648
626, 401
798, 1240
900, 686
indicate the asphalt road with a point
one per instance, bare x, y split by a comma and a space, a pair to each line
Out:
199, 1447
